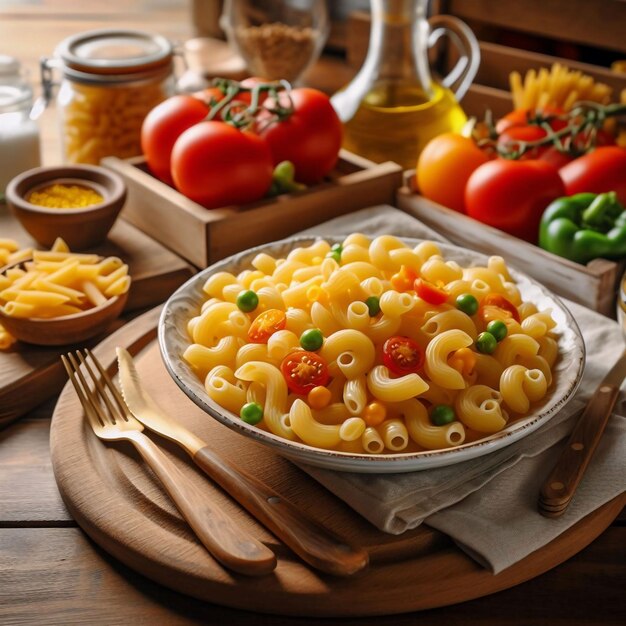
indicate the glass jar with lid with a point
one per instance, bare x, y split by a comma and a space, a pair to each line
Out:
19, 134
111, 79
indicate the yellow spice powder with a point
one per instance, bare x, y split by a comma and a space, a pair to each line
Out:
59, 196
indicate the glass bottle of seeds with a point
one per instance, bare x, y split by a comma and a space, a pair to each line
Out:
111, 79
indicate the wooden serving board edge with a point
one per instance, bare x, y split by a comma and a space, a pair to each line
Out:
470, 581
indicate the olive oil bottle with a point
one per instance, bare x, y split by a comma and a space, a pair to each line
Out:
395, 121
393, 107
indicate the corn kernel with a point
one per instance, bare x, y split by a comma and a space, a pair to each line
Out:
374, 413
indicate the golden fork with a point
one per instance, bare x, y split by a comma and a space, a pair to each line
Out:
111, 420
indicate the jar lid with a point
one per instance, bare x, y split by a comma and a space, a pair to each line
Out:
15, 97
115, 51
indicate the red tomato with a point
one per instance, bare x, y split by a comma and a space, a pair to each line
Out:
210, 95
555, 157
266, 324
444, 166
498, 300
524, 117
512, 195
429, 292
515, 135
217, 165
304, 371
310, 138
162, 127
402, 355
603, 169
559, 158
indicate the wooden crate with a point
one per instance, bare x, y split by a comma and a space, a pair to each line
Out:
204, 236
593, 285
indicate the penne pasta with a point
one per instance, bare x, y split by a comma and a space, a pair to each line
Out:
56, 282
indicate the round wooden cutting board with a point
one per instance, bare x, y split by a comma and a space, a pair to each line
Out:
119, 503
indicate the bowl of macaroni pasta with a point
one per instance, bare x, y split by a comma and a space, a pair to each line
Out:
372, 354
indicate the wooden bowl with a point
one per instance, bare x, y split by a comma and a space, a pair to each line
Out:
80, 228
69, 329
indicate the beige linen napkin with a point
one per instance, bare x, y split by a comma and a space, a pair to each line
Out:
488, 505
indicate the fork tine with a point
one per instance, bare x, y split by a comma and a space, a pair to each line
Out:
109, 383
104, 416
71, 367
99, 390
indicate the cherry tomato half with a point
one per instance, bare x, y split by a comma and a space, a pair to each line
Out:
266, 324
497, 300
303, 371
430, 292
402, 355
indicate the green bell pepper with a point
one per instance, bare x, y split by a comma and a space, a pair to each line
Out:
584, 226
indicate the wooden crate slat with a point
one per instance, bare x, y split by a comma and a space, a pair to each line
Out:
593, 285
497, 61
479, 98
588, 22
203, 236
276, 221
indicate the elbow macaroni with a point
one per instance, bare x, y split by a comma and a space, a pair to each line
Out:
370, 406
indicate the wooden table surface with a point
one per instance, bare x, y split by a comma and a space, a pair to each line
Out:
51, 573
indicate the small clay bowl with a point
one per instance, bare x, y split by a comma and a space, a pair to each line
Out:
80, 228
69, 329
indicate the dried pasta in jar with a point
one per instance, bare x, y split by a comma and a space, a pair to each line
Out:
111, 80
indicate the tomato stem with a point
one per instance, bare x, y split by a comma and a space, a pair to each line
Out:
578, 137
238, 113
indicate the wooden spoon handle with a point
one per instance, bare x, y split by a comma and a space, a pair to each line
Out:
562, 482
230, 544
310, 541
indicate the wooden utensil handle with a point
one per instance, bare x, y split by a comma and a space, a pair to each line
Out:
230, 544
561, 484
311, 542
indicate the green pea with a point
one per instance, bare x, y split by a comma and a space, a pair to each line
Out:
247, 301
442, 414
467, 303
486, 343
498, 329
334, 254
337, 246
373, 305
251, 413
311, 339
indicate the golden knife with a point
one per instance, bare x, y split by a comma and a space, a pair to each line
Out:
308, 539
558, 489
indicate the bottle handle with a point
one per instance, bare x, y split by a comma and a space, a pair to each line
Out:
463, 73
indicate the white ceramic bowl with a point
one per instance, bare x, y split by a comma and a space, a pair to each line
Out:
185, 303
